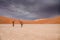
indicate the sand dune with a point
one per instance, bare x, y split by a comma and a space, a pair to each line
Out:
55, 20
6, 20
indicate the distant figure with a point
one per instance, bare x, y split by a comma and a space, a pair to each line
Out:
13, 23
21, 24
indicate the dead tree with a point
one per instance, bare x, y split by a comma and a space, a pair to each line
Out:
21, 24
13, 23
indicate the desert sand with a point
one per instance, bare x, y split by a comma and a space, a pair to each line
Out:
30, 32
39, 29
53, 20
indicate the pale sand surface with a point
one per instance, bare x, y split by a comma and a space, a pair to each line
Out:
30, 32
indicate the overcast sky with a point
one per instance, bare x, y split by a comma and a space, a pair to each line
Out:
29, 9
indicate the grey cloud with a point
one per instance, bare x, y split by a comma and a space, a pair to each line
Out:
29, 9
4, 3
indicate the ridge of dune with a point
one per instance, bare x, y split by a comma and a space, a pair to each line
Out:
39, 19
54, 20
6, 20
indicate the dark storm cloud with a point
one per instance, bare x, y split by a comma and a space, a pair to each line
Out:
4, 3
29, 9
